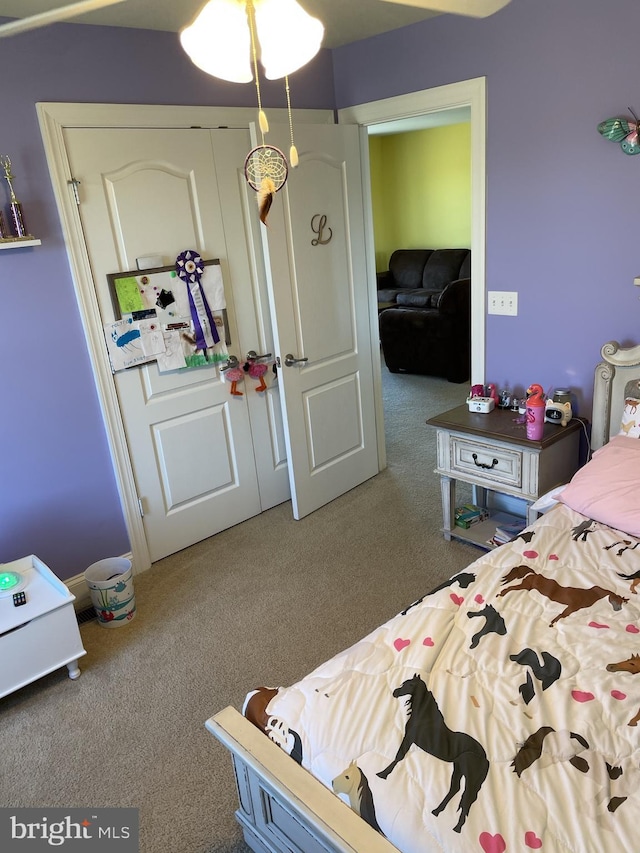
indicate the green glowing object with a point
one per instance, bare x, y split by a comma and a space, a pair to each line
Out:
8, 580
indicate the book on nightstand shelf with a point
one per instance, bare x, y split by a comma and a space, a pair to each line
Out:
468, 514
506, 531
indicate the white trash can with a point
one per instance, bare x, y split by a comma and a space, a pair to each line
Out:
110, 585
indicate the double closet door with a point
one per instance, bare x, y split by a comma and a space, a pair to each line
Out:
202, 459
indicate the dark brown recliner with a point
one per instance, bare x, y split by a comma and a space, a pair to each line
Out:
428, 329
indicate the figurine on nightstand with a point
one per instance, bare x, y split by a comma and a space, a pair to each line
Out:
505, 399
491, 392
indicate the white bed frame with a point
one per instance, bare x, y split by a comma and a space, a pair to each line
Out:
283, 809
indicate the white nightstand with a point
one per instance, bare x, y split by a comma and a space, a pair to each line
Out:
40, 635
492, 453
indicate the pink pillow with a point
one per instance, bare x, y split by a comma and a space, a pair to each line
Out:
607, 489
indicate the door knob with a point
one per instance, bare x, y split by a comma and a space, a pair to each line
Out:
290, 361
232, 362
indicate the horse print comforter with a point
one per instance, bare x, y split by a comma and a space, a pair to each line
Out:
497, 713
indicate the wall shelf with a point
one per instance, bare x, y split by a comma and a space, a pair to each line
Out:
19, 242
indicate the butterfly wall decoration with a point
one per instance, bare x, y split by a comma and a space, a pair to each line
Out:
622, 130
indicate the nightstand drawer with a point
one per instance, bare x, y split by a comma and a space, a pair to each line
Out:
489, 461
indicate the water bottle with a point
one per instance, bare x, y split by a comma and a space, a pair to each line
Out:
535, 412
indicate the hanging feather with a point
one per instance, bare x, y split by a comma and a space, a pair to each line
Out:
265, 199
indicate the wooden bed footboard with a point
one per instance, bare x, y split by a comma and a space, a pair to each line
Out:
282, 808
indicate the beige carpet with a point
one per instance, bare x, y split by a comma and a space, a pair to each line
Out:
261, 603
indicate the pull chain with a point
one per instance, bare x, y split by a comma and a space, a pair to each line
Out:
262, 118
293, 151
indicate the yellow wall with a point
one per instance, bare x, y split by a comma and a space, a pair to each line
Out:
421, 190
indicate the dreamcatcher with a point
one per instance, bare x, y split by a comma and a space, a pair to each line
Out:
266, 171
265, 167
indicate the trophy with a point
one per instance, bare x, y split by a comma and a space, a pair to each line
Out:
15, 207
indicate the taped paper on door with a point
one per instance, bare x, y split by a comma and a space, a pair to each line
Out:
160, 296
132, 342
173, 356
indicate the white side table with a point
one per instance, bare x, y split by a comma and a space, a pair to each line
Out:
492, 453
42, 634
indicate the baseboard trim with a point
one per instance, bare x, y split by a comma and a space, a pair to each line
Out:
78, 586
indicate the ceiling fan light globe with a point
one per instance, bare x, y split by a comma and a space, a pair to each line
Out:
289, 37
219, 42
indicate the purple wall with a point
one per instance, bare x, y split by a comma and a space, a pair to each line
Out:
562, 203
58, 497
562, 216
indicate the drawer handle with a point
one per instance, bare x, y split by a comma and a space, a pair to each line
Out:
483, 464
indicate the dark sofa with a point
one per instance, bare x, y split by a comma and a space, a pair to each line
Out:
425, 324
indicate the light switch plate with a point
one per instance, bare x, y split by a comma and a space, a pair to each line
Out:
503, 302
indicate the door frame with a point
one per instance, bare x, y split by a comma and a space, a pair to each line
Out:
467, 93
54, 118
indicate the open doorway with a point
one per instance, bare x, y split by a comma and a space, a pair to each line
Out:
420, 172
469, 96
421, 182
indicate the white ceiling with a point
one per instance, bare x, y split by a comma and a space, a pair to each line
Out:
345, 21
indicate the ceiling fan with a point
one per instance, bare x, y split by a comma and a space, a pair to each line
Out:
64, 13
472, 8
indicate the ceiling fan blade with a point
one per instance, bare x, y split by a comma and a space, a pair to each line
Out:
472, 8
20, 25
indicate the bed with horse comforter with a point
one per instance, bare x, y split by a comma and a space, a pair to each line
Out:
499, 712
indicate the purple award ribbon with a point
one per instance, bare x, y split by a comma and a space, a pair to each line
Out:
190, 269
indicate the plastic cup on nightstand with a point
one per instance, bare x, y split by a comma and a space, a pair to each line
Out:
535, 422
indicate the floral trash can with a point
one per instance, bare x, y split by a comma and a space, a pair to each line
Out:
110, 585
